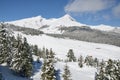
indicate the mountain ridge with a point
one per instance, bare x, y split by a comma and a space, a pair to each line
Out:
53, 24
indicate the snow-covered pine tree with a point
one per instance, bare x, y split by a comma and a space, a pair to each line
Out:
5, 45
27, 55
89, 60
80, 61
116, 70
71, 56
35, 50
43, 54
43, 73
52, 54
96, 62
66, 75
16, 61
48, 71
96, 76
110, 69
102, 63
47, 53
101, 75
22, 60
38, 59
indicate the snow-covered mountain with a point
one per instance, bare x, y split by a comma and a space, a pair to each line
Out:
53, 25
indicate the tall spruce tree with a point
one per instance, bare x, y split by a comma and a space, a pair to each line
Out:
96, 62
35, 50
71, 56
110, 68
5, 45
66, 74
80, 62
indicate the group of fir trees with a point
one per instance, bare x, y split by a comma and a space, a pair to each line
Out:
41, 53
15, 52
110, 71
88, 61
22, 57
48, 70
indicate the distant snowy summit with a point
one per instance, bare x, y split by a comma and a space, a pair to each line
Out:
39, 21
52, 25
103, 27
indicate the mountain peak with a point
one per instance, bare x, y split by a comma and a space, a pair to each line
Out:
68, 17
38, 16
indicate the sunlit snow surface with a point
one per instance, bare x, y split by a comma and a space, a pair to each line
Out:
61, 47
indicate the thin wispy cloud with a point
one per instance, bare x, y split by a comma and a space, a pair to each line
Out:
116, 11
101, 9
88, 6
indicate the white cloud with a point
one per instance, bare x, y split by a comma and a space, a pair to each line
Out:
88, 6
116, 10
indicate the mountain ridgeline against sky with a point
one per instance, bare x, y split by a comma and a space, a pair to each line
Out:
51, 25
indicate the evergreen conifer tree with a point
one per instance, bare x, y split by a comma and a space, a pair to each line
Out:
80, 62
110, 68
71, 56
96, 62
22, 61
35, 50
48, 71
67, 74
5, 45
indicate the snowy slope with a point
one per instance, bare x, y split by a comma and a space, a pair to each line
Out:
61, 46
77, 73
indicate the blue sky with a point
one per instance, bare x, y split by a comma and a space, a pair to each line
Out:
92, 12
